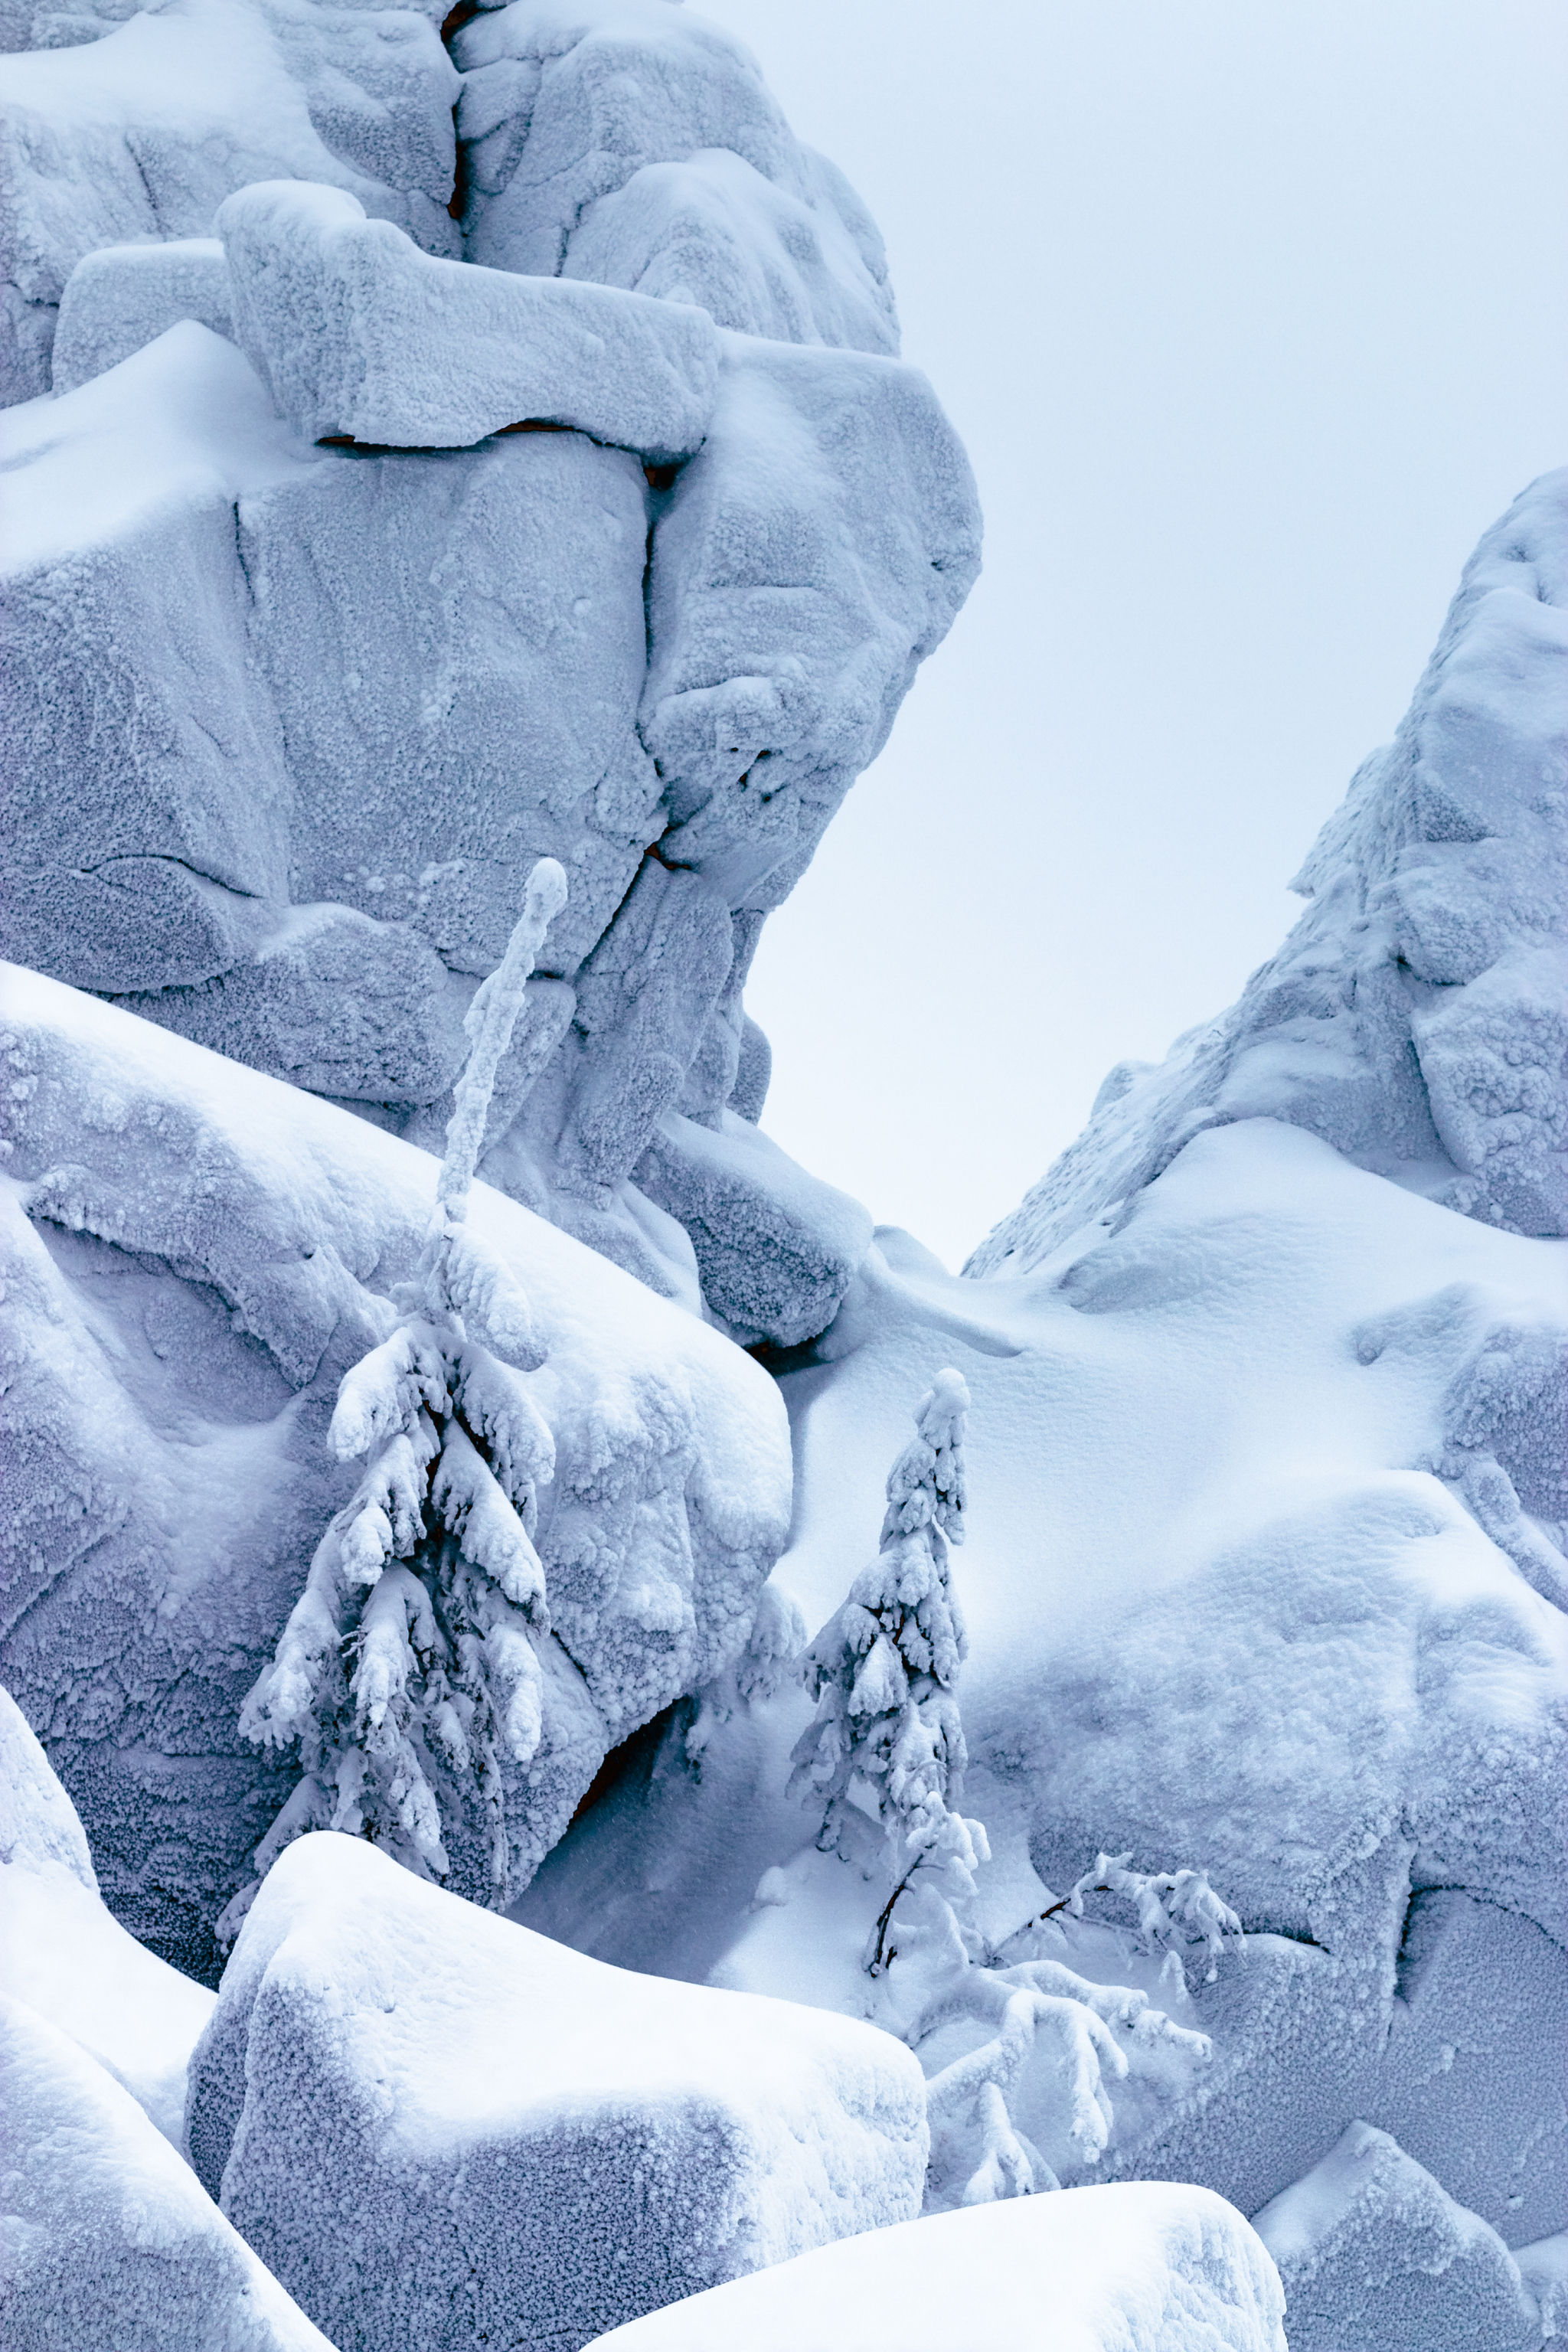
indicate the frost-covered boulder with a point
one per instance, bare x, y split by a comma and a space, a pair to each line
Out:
195, 1254
622, 141
776, 1248
123, 297
107, 2242
810, 556
1092, 2270
1375, 2256
437, 2127
141, 133
1417, 1018
360, 335
63, 1953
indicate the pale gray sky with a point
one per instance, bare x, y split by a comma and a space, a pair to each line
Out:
1251, 314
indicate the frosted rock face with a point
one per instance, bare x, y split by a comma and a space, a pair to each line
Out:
641, 147
812, 555
1375, 2257
204, 1252
64, 1954
776, 1248
123, 297
359, 334
295, 724
141, 134
1417, 1017
437, 2125
110, 2242
1092, 2270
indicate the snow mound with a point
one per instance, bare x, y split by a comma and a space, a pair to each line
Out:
1092, 2270
1417, 1018
111, 2243
437, 2125
640, 146
197, 1253
141, 134
353, 330
123, 297
64, 1954
1375, 2257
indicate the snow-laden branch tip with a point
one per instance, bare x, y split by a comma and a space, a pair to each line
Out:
1176, 1908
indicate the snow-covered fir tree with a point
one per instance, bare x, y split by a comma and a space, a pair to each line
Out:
884, 1754
411, 1657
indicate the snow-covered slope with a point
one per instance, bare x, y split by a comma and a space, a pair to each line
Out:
196, 1253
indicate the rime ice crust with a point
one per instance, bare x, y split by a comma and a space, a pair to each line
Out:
436, 2124
354, 330
141, 133
1417, 1018
122, 298
203, 1256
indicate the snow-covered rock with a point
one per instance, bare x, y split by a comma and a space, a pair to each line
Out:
1416, 1017
123, 297
1375, 2256
66, 1956
1092, 2270
776, 1248
437, 2125
359, 334
619, 140
196, 1253
141, 133
107, 2242
810, 556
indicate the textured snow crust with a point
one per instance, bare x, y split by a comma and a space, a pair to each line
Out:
353, 328
197, 1253
64, 1954
123, 297
437, 2127
1093, 2270
1368, 2231
1417, 1018
107, 2242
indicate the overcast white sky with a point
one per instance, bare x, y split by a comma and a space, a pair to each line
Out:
1252, 315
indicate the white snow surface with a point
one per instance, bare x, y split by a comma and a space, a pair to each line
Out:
107, 2242
1416, 1017
198, 1253
1131, 2269
438, 2127
66, 1956
359, 333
